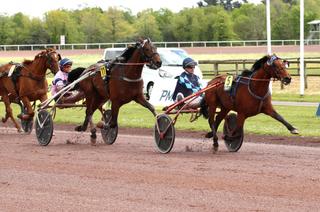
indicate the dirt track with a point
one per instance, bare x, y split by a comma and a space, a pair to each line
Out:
131, 176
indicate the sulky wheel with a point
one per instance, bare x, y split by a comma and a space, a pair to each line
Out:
109, 135
44, 127
164, 133
26, 124
233, 143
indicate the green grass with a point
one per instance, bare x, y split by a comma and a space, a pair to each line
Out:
134, 115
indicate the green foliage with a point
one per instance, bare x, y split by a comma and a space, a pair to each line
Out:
250, 22
219, 20
146, 26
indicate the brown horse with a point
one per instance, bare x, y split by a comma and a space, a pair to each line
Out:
124, 85
249, 96
26, 82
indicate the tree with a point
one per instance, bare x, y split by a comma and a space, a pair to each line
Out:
7, 28
164, 19
21, 28
60, 22
146, 25
38, 32
250, 22
91, 23
118, 28
226, 4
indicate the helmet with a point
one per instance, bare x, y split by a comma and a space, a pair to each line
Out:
188, 62
65, 61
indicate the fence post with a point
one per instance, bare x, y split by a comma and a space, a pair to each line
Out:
215, 68
305, 76
237, 68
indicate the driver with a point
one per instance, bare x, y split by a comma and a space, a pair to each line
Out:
188, 83
61, 80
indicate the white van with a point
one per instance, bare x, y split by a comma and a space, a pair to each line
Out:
171, 66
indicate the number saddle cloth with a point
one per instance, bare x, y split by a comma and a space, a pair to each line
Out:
231, 84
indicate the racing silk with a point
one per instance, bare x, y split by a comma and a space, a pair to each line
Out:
187, 84
59, 80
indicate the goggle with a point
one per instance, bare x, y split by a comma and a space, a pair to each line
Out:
67, 65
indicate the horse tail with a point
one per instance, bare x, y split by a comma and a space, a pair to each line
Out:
204, 108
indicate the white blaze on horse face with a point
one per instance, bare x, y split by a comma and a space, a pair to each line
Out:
144, 42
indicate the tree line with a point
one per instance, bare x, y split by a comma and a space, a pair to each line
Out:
212, 20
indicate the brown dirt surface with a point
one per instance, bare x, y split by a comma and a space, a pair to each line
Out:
71, 175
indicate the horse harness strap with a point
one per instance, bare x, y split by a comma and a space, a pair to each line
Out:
123, 77
246, 81
16, 73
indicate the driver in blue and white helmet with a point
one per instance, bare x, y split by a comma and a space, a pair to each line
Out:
61, 78
188, 83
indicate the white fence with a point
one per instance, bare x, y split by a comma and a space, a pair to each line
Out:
159, 44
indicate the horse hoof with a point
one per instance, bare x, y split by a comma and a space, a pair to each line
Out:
294, 131
78, 128
209, 135
3, 120
215, 148
93, 141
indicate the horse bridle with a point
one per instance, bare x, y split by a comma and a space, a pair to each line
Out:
277, 70
50, 62
145, 57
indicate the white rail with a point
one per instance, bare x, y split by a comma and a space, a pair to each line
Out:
159, 44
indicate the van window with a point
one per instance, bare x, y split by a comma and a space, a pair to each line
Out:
112, 54
170, 58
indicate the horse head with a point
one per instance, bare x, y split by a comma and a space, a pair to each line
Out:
52, 59
149, 53
278, 69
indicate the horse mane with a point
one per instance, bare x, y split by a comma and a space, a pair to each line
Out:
27, 62
127, 53
256, 66
246, 73
259, 63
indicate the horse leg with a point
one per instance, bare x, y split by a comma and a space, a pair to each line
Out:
211, 121
279, 118
9, 113
97, 104
220, 116
30, 112
240, 122
89, 112
93, 131
114, 114
142, 101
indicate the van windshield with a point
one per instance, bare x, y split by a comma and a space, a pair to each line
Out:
170, 58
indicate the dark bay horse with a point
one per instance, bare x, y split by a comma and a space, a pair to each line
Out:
250, 97
124, 85
27, 82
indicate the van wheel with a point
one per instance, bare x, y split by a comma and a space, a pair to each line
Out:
149, 90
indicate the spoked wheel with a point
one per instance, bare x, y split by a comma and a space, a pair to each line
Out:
26, 124
164, 133
44, 127
233, 143
109, 135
